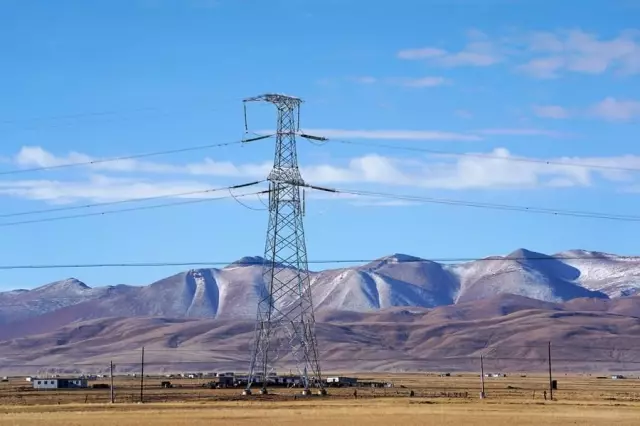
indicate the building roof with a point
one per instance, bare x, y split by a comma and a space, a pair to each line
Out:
58, 378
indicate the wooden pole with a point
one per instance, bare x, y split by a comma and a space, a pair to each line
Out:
550, 378
111, 377
142, 377
482, 375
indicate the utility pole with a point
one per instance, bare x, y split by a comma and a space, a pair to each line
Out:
482, 395
142, 377
111, 378
285, 318
550, 378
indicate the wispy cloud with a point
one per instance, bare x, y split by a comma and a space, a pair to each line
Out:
610, 109
581, 52
418, 82
521, 132
542, 55
551, 111
480, 51
101, 188
422, 82
34, 156
500, 169
613, 109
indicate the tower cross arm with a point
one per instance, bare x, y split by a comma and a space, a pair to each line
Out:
312, 137
274, 98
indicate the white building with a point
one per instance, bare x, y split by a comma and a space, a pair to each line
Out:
59, 383
342, 381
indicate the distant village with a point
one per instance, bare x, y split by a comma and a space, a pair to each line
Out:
217, 381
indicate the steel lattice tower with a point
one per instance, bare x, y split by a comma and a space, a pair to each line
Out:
285, 319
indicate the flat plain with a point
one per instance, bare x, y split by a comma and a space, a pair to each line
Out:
388, 411
513, 400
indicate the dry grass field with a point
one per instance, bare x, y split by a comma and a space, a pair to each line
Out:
373, 412
512, 400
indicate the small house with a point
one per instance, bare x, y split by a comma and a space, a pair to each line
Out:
59, 383
342, 381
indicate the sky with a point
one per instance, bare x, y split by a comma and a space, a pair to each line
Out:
492, 101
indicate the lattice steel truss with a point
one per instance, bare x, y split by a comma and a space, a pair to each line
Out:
285, 319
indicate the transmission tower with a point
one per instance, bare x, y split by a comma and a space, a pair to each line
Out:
285, 323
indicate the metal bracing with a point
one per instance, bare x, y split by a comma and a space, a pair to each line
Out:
285, 324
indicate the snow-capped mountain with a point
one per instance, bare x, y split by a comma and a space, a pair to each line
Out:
398, 280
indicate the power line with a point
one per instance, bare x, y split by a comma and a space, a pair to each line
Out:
129, 200
493, 206
487, 156
204, 106
74, 116
128, 157
132, 209
318, 262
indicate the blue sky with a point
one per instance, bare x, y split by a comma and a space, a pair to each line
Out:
541, 80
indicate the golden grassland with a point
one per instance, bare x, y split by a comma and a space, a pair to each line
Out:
512, 400
388, 411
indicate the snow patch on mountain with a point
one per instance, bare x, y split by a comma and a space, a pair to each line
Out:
614, 275
398, 280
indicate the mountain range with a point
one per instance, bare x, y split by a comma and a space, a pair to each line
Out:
512, 332
398, 295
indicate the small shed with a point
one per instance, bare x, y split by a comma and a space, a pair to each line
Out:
226, 381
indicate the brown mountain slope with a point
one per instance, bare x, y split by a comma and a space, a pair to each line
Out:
512, 333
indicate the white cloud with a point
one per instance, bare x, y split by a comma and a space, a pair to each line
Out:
551, 111
610, 109
422, 82
393, 134
581, 52
543, 68
419, 82
613, 109
100, 188
541, 55
34, 156
521, 132
421, 53
498, 169
480, 51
